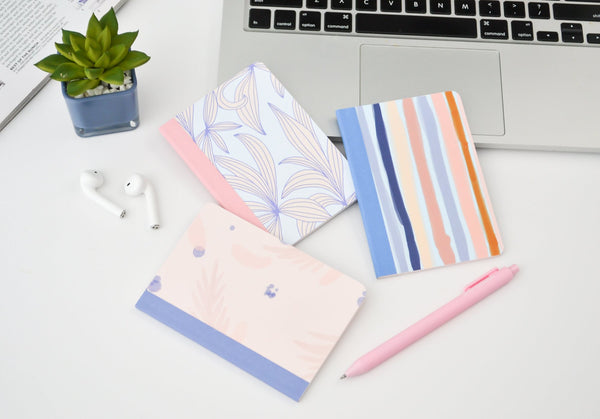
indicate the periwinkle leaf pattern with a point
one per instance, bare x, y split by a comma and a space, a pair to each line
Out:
186, 120
277, 86
210, 134
245, 101
324, 168
260, 181
304, 209
268, 149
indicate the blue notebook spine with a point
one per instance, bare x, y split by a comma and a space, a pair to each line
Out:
222, 345
366, 193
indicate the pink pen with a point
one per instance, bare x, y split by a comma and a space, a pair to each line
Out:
473, 293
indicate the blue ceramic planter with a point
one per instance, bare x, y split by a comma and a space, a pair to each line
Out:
104, 114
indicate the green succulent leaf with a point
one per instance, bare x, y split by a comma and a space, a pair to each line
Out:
125, 38
50, 63
81, 58
109, 20
104, 61
93, 73
92, 49
94, 28
117, 54
105, 39
66, 36
102, 53
77, 87
77, 41
113, 76
68, 72
65, 50
133, 59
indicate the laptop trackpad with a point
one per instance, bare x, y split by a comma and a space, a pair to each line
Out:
394, 72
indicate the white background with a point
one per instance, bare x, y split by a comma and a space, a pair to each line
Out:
73, 345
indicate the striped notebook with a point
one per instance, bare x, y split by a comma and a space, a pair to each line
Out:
418, 182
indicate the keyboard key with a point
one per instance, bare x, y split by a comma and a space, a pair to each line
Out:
391, 5
522, 30
571, 27
366, 5
310, 21
440, 7
539, 11
583, 12
489, 8
416, 6
493, 29
572, 32
285, 19
464, 7
338, 22
416, 25
545, 36
260, 18
593, 38
276, 3
316, 4
341, 4
514, 9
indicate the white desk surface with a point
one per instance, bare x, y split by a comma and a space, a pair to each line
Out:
74, 346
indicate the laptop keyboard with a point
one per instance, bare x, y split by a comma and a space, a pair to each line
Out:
551, 22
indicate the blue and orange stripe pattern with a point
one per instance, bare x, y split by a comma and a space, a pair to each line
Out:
419, 185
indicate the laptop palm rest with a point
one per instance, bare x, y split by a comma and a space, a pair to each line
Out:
393, 72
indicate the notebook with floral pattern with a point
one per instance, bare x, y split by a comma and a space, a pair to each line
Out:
261, 155
265, 306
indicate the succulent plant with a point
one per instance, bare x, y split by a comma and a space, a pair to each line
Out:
101, 55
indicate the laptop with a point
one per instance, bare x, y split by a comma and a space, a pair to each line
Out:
528, 72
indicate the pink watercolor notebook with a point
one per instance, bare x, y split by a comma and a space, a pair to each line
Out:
265, 306
261, 155
419, 185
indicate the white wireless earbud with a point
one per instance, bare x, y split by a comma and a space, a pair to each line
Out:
137, 185
90, 180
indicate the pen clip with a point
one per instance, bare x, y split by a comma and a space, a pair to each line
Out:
480, 279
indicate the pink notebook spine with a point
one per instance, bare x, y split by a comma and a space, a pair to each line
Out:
208, 174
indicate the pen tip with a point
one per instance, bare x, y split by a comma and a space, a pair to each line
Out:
342, 377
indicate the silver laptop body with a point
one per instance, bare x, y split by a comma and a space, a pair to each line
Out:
532, 84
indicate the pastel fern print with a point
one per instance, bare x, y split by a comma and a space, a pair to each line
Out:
313, 351
263, 305
282, 166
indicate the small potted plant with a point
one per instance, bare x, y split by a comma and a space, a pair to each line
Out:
98, 76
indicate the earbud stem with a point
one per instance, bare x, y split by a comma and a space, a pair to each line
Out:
105, 203
152, 206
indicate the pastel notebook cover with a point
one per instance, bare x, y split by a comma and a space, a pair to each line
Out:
261, 156
419, 185
265, 306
